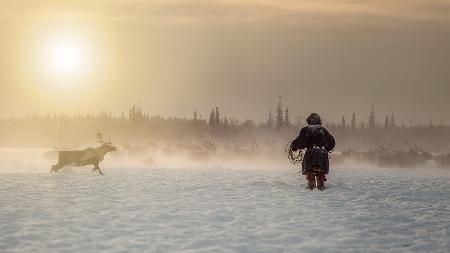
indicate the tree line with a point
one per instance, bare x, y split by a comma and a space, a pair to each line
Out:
139, 127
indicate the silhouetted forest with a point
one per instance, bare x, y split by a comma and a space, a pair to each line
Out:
217, 133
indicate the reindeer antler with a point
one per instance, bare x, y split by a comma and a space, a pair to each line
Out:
99, 138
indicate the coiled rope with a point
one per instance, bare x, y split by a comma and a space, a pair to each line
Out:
295, 157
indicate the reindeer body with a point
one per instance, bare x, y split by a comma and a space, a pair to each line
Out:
88, 156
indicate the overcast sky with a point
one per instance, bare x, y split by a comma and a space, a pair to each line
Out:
334, 57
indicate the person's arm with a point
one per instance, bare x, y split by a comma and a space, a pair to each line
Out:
331, 143
300, 141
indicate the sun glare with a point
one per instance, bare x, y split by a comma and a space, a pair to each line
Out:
65, 58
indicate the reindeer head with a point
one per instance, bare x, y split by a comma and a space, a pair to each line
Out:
107, 146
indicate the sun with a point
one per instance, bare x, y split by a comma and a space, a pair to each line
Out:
65, 58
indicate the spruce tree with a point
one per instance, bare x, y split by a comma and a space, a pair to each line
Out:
217, 117
353, 123
372, 118
212, 118
344, 124
195, 116
287, 121
279, 119
386, 122
392, 123
270, 120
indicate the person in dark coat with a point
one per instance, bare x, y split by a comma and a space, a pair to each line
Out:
318, 143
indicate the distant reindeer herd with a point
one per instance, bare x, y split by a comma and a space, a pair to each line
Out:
396, 159
379, 157
88, 156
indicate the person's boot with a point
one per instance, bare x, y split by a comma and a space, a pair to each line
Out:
321, 181
311, 181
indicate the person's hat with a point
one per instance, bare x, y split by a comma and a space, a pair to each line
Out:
314, 119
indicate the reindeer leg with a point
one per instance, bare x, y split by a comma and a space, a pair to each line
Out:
55, 168
98, 169
95, 166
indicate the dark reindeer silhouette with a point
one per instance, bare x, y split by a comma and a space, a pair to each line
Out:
88, 156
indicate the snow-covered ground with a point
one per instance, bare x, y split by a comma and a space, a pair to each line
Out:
224, 209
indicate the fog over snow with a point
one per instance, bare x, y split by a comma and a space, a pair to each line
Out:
210, 207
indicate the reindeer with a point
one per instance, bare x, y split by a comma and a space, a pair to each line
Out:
405, 159
442, 160
88, 156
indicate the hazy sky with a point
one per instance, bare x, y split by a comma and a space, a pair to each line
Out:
331, 56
